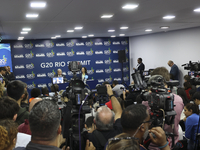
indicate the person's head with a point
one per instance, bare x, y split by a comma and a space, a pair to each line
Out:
2, 70
59, 71
190, 109
1, 89
89, 124
187, 78
8, 108
35, 92
104, 118
170, 63
123, 141
161, 71
114, 83
8, 68
192, 92
45, 91
187, 85
106, 82
15, 90
196, 98
84, 70
181, 92
139, 60
54, 88
137, 128
8, 134
33, 102
44, 120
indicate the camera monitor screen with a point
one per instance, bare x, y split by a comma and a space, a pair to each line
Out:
58, 80
145, 73
191, 73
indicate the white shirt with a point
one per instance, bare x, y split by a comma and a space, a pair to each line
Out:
22, 139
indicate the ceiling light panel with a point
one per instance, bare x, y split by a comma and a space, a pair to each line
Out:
123, 28
78, 28
121, 34
107, 16
130, 6
90, 35
148, 30
84, 36
111, 30
168, 17
24, 32
164, 27
38, 4
26, 29
197, 10
32, 15
70, 30
113, 36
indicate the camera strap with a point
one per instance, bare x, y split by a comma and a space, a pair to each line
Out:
100, 138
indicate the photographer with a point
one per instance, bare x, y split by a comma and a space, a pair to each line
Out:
178, 102
135, 121
107, 123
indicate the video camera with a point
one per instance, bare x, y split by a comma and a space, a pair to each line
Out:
194, 68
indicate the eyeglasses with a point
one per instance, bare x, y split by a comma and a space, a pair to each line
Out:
150, 121
123, 138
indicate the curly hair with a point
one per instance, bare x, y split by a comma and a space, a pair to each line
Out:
1, 90
8, 132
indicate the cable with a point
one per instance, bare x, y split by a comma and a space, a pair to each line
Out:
163, 118
79, 115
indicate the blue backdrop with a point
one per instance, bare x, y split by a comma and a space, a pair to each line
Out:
5, 55
36, 61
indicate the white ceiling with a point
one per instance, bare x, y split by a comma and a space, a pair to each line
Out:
62, 15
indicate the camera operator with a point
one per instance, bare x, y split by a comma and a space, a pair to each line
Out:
107, 123
135, 121
178, 102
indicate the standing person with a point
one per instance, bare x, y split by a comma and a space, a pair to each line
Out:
140, 67
84, 74
174, 70
9, 75
191, 112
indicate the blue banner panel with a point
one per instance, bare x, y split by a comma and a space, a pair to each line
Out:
5, 55
36, 61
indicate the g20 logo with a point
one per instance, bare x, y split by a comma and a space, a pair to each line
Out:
46, 65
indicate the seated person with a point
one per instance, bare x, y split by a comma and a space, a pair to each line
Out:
191, 124
191, 92
8, 134
54, 88
84, 74
35, 92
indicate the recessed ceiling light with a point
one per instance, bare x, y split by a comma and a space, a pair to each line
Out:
168, 17
122, 35
148, 30
164, 27
57, 36
24, 32
111, 30
113, 36
129, 6
197, 10
90, 35
123, 27
26, 29
84, 36
53, 37
38, 4
78, 28
106, 16
31, 15
20, 38
70, 30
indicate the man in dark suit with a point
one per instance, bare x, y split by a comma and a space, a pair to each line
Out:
9, 75
174, 72
59, 74
140, 67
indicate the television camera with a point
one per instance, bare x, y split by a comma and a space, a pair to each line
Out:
194, 68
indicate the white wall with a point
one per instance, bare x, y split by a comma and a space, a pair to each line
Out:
156, 49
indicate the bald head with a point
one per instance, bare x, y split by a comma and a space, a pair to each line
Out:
104, 118
170, 63
59, 71
33, 102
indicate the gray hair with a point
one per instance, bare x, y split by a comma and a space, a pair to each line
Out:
44, 120
101, 125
